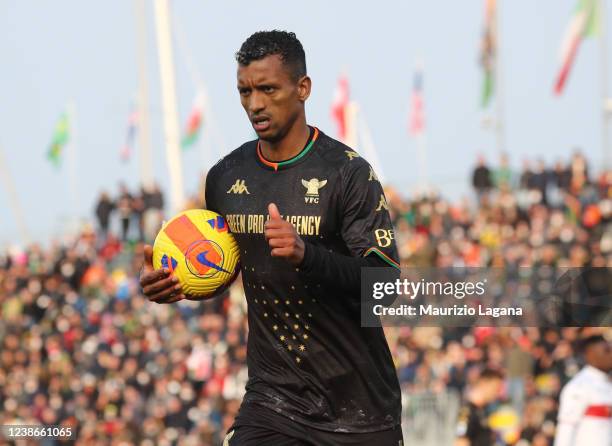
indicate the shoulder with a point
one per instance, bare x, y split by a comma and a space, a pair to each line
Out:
228, 165
340, 156
577, 384
232, 160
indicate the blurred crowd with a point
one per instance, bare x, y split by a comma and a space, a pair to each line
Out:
80, 346
559, 217
140, 213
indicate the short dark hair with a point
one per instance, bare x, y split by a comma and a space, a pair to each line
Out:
589, 341
490, 374
268, 43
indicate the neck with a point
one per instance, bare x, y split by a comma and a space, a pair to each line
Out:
289, 145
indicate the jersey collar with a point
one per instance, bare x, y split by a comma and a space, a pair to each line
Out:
278, 165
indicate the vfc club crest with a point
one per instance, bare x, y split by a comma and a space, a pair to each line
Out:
312, 190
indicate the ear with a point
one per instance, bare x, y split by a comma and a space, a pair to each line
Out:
304, 85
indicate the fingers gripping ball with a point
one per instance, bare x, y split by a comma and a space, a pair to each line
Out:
197, 247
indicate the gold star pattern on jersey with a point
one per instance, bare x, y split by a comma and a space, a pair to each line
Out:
293, 331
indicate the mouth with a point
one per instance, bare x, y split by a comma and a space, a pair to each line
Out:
261, 123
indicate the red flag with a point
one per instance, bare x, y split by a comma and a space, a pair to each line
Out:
584, 23
339, 107
416, 124
194, 122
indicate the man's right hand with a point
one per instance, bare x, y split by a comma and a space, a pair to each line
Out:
158, 284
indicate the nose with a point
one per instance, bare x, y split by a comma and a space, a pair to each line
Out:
256, 102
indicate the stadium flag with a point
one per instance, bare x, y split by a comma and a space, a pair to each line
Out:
488, 52
194, 123
584, 23
416, 124
132, 128
60, 138
340, 107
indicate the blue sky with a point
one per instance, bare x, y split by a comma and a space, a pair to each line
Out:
66, 51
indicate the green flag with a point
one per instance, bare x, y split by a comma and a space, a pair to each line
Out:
59, 140
592, 23
488, 50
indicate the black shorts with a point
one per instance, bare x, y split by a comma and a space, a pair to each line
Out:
260, 426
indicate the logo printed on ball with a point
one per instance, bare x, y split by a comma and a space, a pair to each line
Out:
218, 224
168, 264
204, 258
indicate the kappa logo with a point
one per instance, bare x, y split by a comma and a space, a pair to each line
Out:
312, 190
382, 204
372, 175
351, 154
239, 187
229, 436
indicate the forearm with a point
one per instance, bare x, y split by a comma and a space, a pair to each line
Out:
334, 269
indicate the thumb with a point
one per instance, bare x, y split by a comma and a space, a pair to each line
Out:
273, 211
148, 256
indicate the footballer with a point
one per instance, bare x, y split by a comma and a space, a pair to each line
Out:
308, 212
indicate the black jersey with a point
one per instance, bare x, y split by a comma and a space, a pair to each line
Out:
308, 357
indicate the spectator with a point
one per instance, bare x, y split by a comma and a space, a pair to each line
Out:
138, 208
502, 176
104, 208
154, 210
526, 175
472, 429
579, 172
125, 209
481, 178
539, 181
518, 366
561, 176
586, 401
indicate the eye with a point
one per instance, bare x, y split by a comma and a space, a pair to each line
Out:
268, 89
244, 91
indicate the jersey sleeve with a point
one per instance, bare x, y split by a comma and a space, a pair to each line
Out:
366, 225
209, 190
572, 405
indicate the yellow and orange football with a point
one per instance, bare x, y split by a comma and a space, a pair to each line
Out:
198, 248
